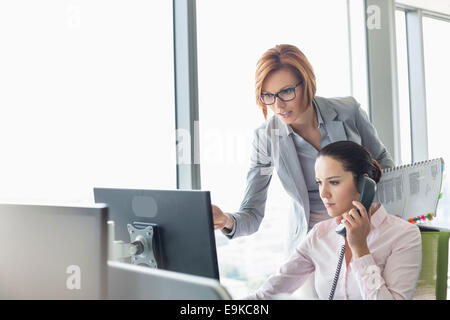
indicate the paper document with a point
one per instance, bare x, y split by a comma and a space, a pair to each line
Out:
411, 190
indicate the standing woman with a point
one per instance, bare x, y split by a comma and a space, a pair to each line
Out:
290, 140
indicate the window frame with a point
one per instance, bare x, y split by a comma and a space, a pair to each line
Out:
416, 75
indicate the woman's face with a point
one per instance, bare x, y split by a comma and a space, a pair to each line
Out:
278, 80
336, 186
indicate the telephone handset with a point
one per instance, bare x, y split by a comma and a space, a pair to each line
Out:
367, 188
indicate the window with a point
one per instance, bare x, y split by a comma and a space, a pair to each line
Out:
86, 93
232, 35
437, 69
358, 52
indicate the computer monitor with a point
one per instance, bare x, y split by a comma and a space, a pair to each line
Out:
134, 282
181, 222
53, 252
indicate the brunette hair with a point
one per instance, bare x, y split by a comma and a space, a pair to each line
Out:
354, 158
285, 56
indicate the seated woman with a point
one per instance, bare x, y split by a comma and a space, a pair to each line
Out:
383, 254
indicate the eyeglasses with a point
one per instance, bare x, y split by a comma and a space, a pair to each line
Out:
284, 95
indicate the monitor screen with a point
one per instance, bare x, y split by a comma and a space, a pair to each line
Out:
184, 238
53, 252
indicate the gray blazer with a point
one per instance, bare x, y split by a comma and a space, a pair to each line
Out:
273, 147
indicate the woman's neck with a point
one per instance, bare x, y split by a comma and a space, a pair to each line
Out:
307, 121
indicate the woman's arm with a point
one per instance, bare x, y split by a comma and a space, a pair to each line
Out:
251, 211
401, 271
290, 276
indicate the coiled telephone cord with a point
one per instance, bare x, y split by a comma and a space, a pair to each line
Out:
338, 271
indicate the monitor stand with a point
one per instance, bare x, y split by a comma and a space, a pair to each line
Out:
141, 248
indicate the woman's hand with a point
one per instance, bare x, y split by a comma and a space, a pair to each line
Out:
221, 220
358, 227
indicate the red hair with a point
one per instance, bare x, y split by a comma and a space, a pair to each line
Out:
285, 56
